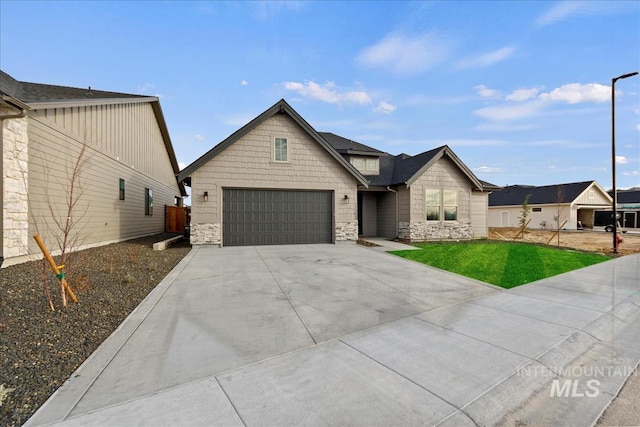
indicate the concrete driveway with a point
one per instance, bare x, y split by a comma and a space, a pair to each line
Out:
347, 335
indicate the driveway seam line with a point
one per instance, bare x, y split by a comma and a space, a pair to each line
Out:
230, 401
411, 381
286, 296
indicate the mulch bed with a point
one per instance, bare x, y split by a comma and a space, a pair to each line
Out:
40, 349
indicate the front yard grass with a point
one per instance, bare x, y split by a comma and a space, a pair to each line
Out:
505, 264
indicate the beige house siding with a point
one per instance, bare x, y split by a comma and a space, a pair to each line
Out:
248, 163
122, 141
443, 174
593, 195
479, 213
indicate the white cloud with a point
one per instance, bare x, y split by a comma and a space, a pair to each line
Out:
237, 120
385, 108
509, 112
488, 169
182, 165
574, 93
486, 92
519, 95
631, 173
329, 93
560, 11
406, 55
198, 137
638, 127
244, 83
487, 59
622, 160
569, 8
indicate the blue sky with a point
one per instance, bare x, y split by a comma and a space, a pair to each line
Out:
521, 91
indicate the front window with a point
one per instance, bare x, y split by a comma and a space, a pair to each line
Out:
441, 204
450, 204
358, 163
433, 205
372, 164
281, 150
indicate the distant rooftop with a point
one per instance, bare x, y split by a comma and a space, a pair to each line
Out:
37, 92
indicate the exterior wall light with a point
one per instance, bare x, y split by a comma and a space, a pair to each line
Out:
205, 197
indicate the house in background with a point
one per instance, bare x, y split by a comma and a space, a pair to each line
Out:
126, 175
551, 205
279, 181
628, 210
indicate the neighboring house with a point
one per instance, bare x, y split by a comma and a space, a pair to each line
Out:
628, 209
126, 175
551, 205
278, 181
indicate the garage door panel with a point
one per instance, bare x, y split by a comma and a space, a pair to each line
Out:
275, 217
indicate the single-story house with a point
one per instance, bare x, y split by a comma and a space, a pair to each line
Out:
628, 210
279, 181
551, 205
127, 166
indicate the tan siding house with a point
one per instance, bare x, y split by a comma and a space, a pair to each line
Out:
278, 181
124, 153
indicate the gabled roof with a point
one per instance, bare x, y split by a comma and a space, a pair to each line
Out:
514, 195
403, 168
37, 94
280, 107
347, 146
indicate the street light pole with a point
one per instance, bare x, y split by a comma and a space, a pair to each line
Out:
613, 156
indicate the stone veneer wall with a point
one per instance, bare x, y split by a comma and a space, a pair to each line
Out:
206, 234
424, 231
15, 202
346, 231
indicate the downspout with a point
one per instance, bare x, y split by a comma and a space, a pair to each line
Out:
397, 211
21, 114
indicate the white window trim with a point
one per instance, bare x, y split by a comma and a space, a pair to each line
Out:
288, 140
441, 206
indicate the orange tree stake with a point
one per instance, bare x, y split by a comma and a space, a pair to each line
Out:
55, 268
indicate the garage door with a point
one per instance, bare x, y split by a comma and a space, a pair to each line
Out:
276, 217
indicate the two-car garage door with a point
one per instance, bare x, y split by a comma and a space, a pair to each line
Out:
276, 217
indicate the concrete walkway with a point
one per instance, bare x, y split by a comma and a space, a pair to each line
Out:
342, 334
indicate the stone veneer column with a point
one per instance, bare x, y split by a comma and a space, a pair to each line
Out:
346, 231
205, 234
15, 201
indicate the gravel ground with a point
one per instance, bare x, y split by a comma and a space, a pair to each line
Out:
40, 349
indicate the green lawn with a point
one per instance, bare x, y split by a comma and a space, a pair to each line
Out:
504, 264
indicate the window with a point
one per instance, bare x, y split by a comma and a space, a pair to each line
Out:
280, 150
121, 189
450, 202
358, 163
372, 164
441, 204
433, 205
148, 201
178, 201
536, 209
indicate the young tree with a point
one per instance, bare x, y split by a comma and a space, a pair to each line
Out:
523, 219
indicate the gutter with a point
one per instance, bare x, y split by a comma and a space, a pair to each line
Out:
16, 105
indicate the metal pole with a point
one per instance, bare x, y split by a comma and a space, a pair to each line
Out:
613, 164
613, 156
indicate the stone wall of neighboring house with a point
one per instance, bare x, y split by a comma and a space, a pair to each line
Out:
248, 163
443, 174
15, 201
